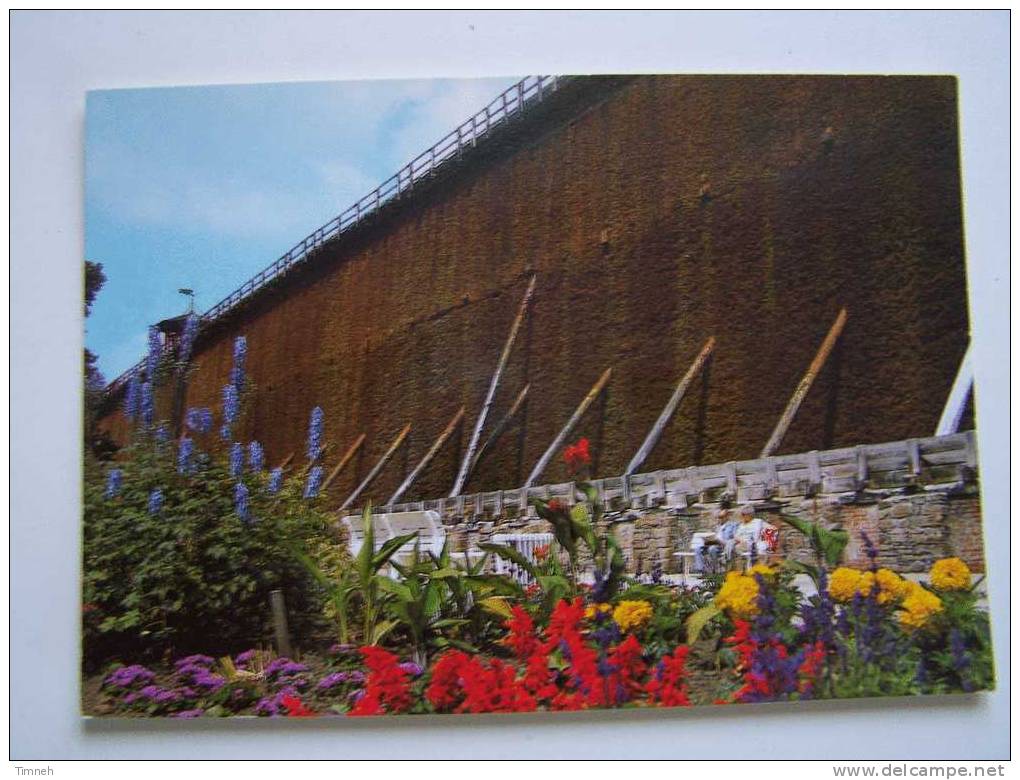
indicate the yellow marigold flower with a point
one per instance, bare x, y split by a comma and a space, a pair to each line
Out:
738, 596
950, 574
892, 587
595, 609
918, 607
762, 569
631, 615
843, 583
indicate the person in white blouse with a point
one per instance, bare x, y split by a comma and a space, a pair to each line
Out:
750, 534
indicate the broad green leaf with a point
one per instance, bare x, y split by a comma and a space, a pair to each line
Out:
697, 621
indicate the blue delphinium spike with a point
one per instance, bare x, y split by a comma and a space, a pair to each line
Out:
185, 450
241, 501
275, 481
314, 482
131, 397
147, 404
152, 357
236, 459
231, 404
315, 433
256, 456
155, 501
188, 337
199, 420
237, 371
162, 435
113, 481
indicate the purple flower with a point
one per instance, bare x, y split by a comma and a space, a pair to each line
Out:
113, 482
188, 337
199, 420
256, 456
272, 706
195, 660
411, 668
155, 501
147, 404
315, 434
284, 667
131, 397
189, 714
155, 350
343, 649
275, 481
236, 459
128, 676
241, 501
231, 404
162, 435
185, 450
331, 680
242, 660
314, 482
237, 371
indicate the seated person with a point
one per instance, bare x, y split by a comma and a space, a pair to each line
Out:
718, 544
750, 537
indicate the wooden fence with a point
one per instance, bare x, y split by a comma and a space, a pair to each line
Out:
935, 462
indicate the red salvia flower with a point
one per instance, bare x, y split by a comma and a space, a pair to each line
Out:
295, 708
388, 687
668, 685
577, 455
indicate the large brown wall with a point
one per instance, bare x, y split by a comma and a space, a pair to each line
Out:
405, 322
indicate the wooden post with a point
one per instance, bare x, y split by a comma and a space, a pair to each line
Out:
280, 630
439, 442
465, 464
949, 422
563, 434
805, 384
500, 427
377, 467
667, 413
343, 461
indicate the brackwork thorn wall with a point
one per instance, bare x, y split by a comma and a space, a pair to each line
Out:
404, 320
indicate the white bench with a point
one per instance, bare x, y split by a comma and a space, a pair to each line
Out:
525, 544
386, 526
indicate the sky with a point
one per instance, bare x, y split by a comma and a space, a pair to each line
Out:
202, 187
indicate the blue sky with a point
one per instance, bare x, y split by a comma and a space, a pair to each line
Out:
201, 187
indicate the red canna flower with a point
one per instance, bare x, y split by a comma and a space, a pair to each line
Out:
577, 455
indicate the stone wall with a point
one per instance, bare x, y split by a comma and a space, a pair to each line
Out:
909, 530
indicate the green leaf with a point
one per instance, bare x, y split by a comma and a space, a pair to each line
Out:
381, 629
512, 555
698, 620
497, 605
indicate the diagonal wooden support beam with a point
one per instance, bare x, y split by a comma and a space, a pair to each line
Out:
949, 422
805, 384
500, 427
343, 461
671, 406
465, 465
563, 434
286, 461
377, 467
417, 470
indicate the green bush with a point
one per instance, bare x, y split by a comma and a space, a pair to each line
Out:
193, 575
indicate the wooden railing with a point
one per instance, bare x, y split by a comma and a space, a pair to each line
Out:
526, 93
938, 460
